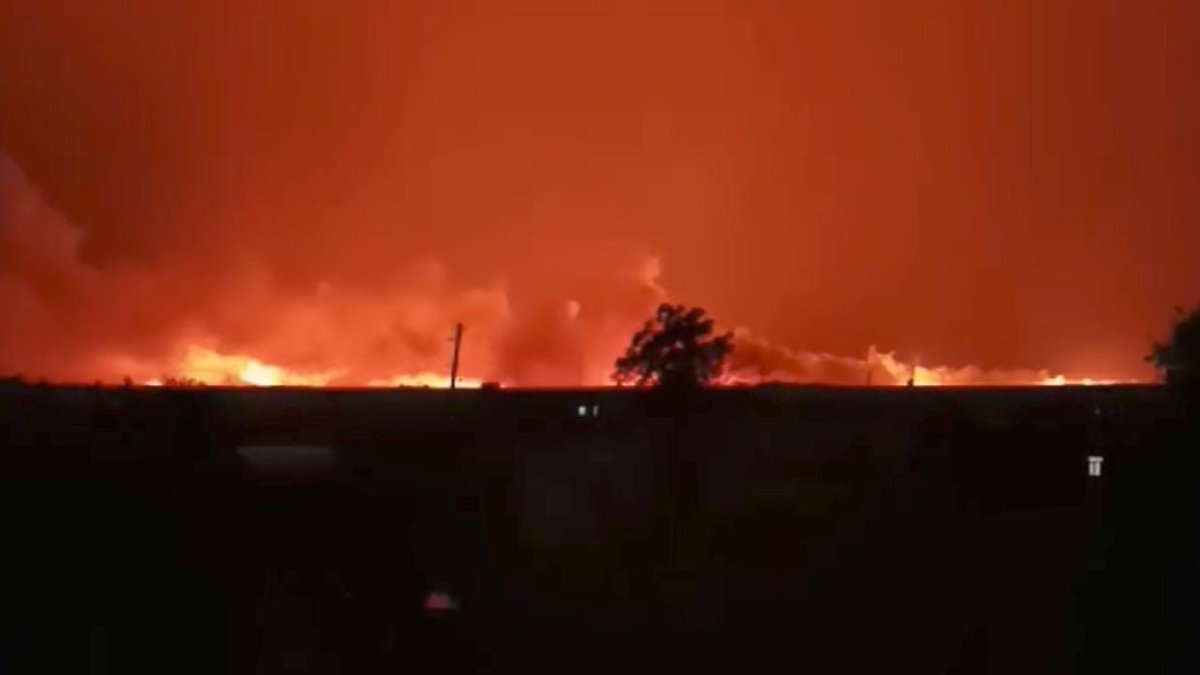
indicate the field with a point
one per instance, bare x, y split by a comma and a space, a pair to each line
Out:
821, 529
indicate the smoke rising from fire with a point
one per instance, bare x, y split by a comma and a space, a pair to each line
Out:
71, 320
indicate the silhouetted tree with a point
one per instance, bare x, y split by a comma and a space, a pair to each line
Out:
1178, 359
1161, 561
674, 349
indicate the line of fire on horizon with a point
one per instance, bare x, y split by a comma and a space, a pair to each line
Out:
207, 367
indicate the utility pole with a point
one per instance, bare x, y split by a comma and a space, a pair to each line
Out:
458, 331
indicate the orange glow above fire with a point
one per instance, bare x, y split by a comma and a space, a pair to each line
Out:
1001, 193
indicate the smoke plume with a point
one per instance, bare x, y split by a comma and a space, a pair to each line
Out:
70, 320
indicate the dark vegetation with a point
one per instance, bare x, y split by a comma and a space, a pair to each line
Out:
818, 529
838, 530
1178, 358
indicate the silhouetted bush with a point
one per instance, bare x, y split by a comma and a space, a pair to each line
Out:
182, 382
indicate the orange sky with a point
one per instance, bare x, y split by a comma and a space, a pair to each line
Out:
1008, 184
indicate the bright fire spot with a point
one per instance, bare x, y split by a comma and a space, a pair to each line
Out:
211, 367
1059, 381
426, 379
206, 366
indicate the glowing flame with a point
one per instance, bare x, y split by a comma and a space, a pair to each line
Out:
1059, 381
431, 380
207, 366
756, 360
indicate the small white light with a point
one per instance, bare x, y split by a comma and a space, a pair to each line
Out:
595, 411
1095, 464
583, 411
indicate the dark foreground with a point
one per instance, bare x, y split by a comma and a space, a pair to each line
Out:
819, 530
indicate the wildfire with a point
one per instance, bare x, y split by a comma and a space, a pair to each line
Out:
209, 367
252, 329
431, 380
206, 366
1059, 381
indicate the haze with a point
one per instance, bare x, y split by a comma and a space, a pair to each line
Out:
328, 186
